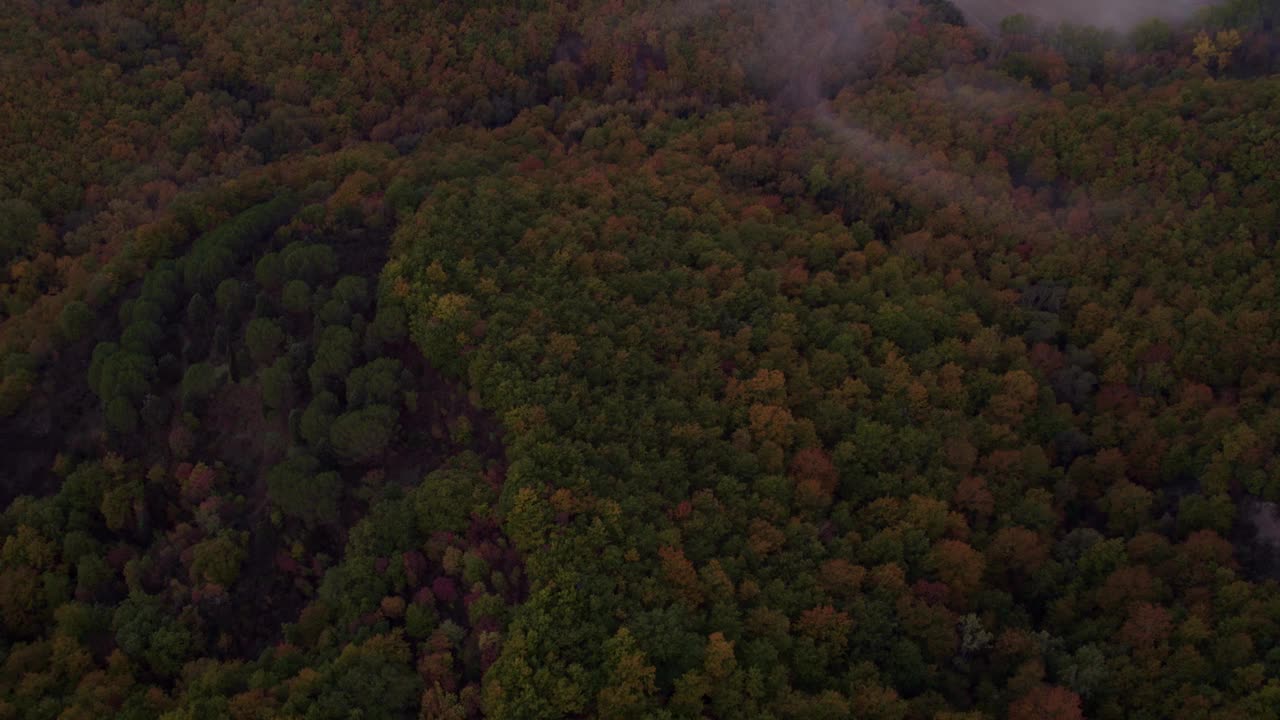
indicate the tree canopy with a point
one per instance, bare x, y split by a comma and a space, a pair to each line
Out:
638, 360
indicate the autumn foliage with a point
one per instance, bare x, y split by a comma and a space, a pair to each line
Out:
636, 360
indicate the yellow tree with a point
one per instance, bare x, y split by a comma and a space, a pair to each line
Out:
1218, 48
630, 679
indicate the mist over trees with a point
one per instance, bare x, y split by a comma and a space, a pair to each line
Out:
818, 359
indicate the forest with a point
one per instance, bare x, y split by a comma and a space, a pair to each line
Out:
622, 359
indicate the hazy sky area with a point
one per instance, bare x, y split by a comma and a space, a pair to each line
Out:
1116, 14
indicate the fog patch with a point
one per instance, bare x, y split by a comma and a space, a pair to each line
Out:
788, 50
1259, 537
1121, 15
928, 178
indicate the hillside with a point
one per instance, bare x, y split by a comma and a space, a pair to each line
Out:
620, 359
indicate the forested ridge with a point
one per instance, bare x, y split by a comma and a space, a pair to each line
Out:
778, 360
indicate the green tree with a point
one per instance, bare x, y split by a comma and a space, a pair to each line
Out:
269, 271
374, 680
120, 373
75, 321
121, 415
296, 297
206, 266
335, 353
263, 338
363, 435
352, 291
277, 384
144, 631
218, 559
318, 418
200, 381
390, 323
198, 314
301, 490
229, 296
309, 263
378, 382
447, 499
1152, 36
18, 222
142, 337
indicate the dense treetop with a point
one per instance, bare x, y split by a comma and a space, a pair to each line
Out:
619, 359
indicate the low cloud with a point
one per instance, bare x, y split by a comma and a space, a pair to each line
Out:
790, 49
800, 52
1113, 14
